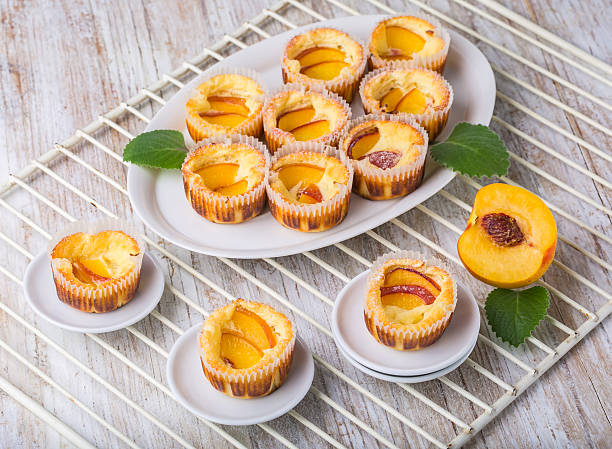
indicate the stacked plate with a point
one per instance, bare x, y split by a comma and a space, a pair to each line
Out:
357, 345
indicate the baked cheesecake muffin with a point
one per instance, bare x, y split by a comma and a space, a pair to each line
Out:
309, 186
96, 272
388, 155
246, 349
225, 178
230, 102
409, 40
409, 302
422, 94
325, 58
295, 114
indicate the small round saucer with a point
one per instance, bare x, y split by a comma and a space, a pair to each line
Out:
406, 379
40, 292
351, 334
192, 389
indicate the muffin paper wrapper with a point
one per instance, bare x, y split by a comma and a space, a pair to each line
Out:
432, 122
410, 337
200, 129
102, 297
311, 217
344, 86
434, 62
377, 184
251, 383
276, 137
228, 209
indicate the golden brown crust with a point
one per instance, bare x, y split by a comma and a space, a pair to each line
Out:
435, 318
263, 377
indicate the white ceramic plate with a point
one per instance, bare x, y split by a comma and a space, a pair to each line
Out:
351, 334
406, 379
40, 292
192, 389
158, 197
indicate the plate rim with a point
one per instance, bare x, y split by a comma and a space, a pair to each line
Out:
184, 241
27, 282
235, 422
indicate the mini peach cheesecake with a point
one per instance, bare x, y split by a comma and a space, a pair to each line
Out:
422, 94
409, 302
225, 178
324, 58
409, 40
96, 272
309, 187
297, 115
246, 349
229, 103
388, 154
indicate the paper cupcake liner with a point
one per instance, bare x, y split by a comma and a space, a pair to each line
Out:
227, 209
102, 297
434, 62
404, 337
200, 129
432, 122
310, 217
374, 183
344, 86
276, 137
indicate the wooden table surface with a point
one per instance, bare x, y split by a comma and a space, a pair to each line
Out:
64, 63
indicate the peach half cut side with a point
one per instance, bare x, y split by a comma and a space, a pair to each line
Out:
510, 238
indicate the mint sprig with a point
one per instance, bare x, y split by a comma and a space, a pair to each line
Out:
513, 315
162, 148
473, 150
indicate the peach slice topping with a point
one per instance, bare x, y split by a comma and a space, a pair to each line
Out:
228, 104
324, 70
237, 188
322, 62
414, 102
225, 119
311, 194
310, 131
402, 42
221, 178
292, 174
408, 288
290, 120
390, 100
91, 271
243, 346
363, 143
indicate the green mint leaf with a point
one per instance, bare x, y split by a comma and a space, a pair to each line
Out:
163, 148
513, 315
473, 150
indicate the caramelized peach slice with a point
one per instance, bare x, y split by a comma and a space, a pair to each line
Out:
253, 327
414, 102
292, 119
403, 42
237, 351
237, 188
389, 101
84, 274
315, 55
225, 119
311, 194
228, 104
97, 266
410, 276
423, 294
363, 143
292, 174
310, 131
510, 239
218, 175
324, 70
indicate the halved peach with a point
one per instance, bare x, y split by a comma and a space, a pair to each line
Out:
226, 119
311, 194
403, 41
292, 119
228, 104
409, 276
414, 102
237, 351
363, 143
310, 131
292, 174
237, 188
215, 176
315, 55
327, 70
389, 101
510, 238
254, 328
